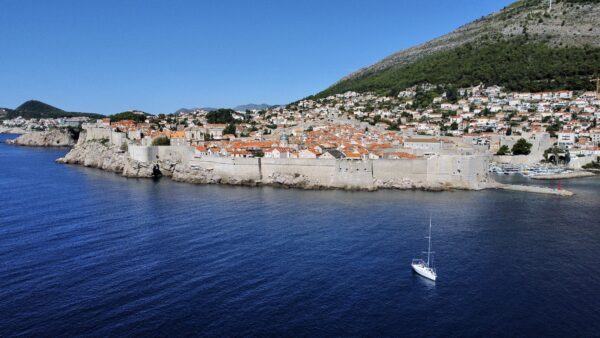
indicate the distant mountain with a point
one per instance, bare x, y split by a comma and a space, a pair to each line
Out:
252, 106
525, 46
38, 109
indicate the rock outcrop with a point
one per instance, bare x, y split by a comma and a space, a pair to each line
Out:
102, 155
13, 130
49, 138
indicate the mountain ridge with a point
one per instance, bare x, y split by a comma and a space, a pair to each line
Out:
570, 24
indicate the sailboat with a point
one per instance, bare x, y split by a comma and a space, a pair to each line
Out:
423, 268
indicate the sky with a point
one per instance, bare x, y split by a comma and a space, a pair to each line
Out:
158, 56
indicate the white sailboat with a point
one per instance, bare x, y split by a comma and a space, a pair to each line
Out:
423, 268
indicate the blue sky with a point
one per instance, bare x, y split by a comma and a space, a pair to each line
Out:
110, 56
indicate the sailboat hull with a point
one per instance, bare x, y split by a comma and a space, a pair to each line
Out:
424, 271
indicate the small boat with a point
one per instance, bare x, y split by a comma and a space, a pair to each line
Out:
423, 268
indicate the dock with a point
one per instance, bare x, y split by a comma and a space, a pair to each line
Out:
535, 189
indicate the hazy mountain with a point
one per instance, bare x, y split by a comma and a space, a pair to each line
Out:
252, 106
525, 46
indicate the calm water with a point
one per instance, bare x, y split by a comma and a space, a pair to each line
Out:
84, 252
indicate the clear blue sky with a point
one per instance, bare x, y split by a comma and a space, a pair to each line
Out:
108, 56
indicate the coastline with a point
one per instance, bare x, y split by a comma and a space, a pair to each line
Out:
16, 130
104, 156
48, 138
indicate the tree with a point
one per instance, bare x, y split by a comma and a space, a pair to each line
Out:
230, 129
127, 115
161, 141
452, 95
522, 147
454, 126
503, 150
221, 116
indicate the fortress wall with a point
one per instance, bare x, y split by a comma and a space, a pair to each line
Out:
412, 169
181, 154
117, 139
240, 168
451, 170
321, 171
353, 174
467, 171
517, 159
164, 153
96, 134
461, 171
143, 154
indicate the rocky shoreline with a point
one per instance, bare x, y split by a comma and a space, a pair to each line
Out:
102, 155
49, 138
13, 130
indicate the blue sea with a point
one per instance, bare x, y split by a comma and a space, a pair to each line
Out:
89, 253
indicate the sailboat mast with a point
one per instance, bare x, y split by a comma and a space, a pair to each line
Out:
429, 249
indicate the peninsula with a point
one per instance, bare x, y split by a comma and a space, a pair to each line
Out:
516, 91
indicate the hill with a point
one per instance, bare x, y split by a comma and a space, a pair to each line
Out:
135, 115
38, 109
525, 46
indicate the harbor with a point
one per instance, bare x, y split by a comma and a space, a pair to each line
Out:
538, 171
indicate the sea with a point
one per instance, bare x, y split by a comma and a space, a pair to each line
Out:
85, 252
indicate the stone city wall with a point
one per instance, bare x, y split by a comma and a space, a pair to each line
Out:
470, 172
145, 154
95, 133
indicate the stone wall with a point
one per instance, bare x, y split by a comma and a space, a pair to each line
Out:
95, 133
469, 172
182, 154
517, 159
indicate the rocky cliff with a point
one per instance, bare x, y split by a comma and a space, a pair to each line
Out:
50, 138
12, 130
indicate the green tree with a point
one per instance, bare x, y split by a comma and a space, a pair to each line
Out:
522, 147
503, 150
161, 141
230, 129
221, 116
137, 117
452, 95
